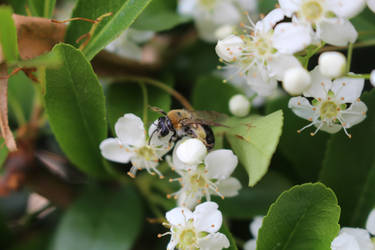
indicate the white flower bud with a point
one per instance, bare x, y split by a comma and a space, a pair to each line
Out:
372, 77
332, 64
239, 105
370, 224
224, 31
296, 80
229, 48
191, 152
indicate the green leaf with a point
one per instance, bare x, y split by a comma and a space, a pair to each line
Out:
349, 168
365, 25
8, 34
254, 140
304, 217
76, 109
224, 229
41, 8
304, 151
126, 97
123, 15
101, 219
209, 86
159, 15
18, 6
266, 6
254, 201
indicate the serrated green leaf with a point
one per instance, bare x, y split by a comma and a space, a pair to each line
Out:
255, 201
126, 97
123, 15
41, 8
209, 86
8, 34
254, 140
159, 15
349, 168
101, 219
304, 217
75, 106
304, 151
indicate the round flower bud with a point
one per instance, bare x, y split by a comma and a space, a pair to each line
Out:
239, 105
229, 48
296, 80
372, 77
191, 152
332, 64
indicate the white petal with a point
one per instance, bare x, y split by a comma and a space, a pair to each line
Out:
229, 48
130, 130
256, 225
172, 243
186, 7
178, 216
261, 83
112, 149
370, 224
207, 217
220, 164
282, 37
316, 89
248, 5
188, 198
344, 241
250, 245
207, 29
289, 6
362, 237
225, 12
302, 107
177, 163
355, 114
280, 63
269, 21
330, 129
229, 187
215, 241
337, 32
371, 5
191, 152
348, 88
346, 8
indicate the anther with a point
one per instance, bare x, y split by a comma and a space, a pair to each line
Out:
131, 175
312, 134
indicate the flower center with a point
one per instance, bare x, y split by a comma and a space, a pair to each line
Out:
188, 239
147, 153
208, 4
328, 110
312, 10
197, 181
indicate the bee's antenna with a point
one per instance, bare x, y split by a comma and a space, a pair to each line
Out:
152, 134
156, 109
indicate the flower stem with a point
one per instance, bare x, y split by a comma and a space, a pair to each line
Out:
365, 76
349, 60
145, 103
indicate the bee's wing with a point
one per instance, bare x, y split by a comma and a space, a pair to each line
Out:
210, 118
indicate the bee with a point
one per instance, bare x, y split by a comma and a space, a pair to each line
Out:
181, 122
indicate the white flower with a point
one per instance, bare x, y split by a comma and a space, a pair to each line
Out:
352, 239
296, 80
132, 146
335, 105
230, 48
371, 5
202, 180
196, 230
328, 17
372, 77
255, 225
332, 64
263, 58
239, 105
370, 224
191, 151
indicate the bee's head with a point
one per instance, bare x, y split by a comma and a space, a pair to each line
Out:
164, 126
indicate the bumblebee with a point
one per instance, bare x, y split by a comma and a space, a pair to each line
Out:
181, 122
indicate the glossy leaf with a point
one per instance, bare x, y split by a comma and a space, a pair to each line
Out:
365, 25
305, 152
8, 34
255, 201
101, 219
123, 15
304, 217
41, 8
127, 97
159, 15
76, 110
349, 168
254, 140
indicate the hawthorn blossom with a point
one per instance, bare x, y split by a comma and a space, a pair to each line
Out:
352, 239
210, 177
336, 104
261, 57
255, 225
215, 18
370, 223
196, 230
328, 18
131, 145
